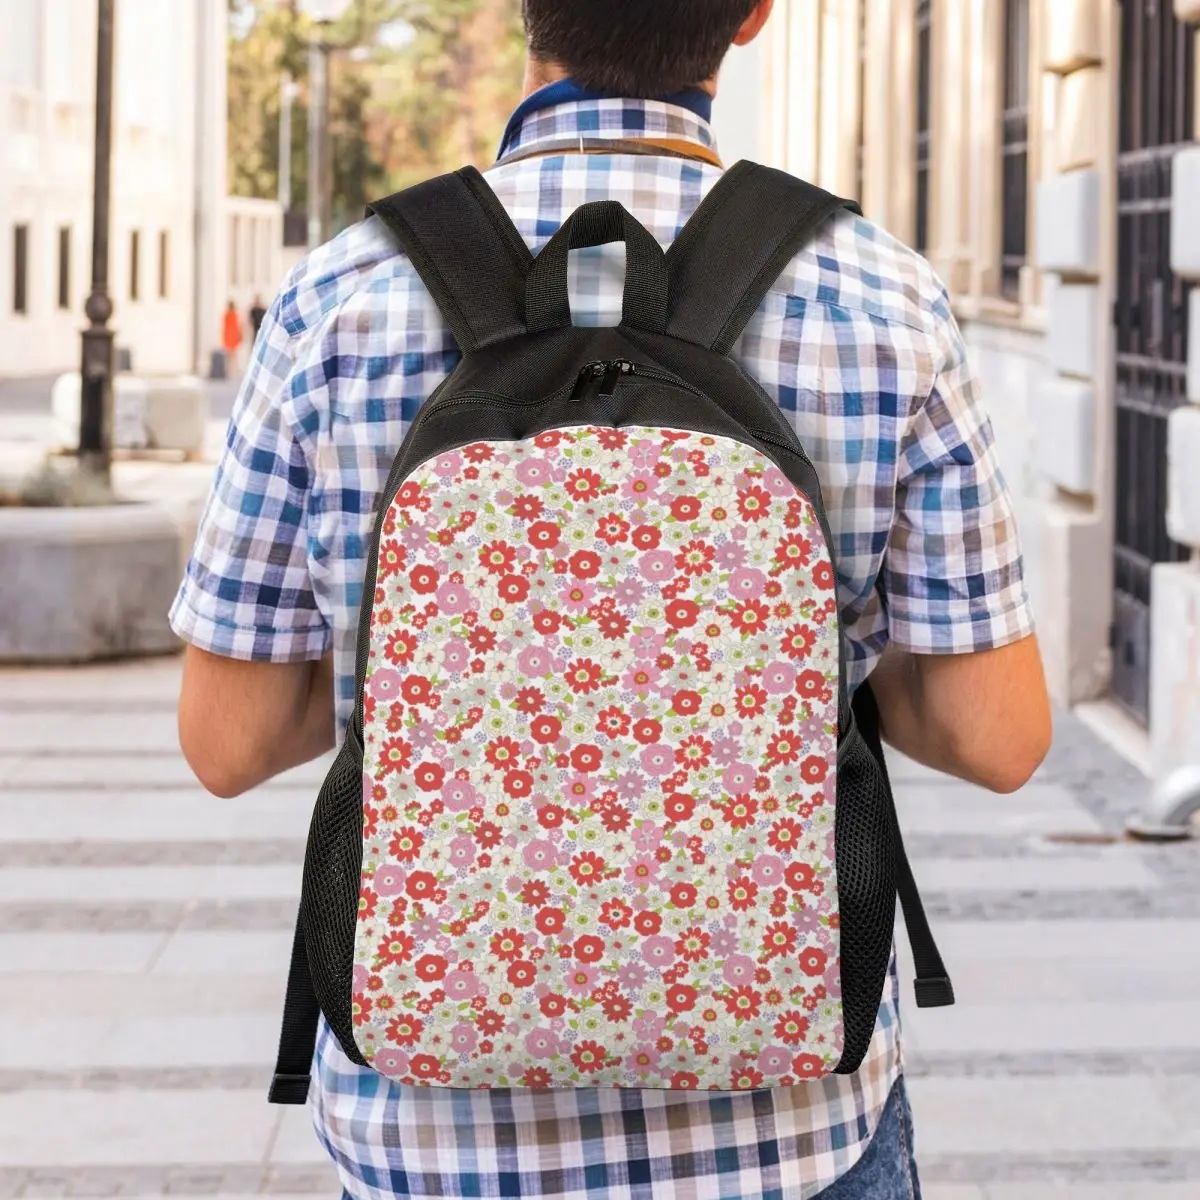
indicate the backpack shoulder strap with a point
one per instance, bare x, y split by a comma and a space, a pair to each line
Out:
467, 251
746, 230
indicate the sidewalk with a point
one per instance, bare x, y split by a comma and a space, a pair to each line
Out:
145, 927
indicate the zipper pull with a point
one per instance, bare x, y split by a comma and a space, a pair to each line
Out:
587, 380
612, 375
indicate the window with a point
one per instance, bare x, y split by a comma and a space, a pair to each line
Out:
20, 269
135, 264
1014, 147
64, 266
164, 264
924, 80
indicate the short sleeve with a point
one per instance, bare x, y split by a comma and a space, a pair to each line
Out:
247, 592
953, 576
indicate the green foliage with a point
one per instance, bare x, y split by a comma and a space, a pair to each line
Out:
417, 87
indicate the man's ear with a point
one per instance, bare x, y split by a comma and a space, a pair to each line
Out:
752, 25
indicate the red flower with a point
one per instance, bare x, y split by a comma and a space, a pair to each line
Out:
431, 967
692, 944
778, 940
791, 1028
646, 537
396, 756
613, 722
743, 891
404, 1029
799, 641
808, 1066
425, 1066
409, 494
529, 700
783, 748
478, 452
429, 777
681, 997
420, 885
742, 1003
647, 731
586, 758
487, 834
508, 945
391, 558
686, 702
647, 923
823, 576
785, 835
583, 484
553, 1005
747, 1078
810, 684
502, 752
751, 700
396, 948
522, 974
682, 614
481, 639
362, 1008
405, 844
754, 503
799, 876
613, 529
585, 564
587, 868
696, 557
415, 689
692, 753
536, 1077
685, 508
535, 892
616, 914
518, 784
550, 921
545, 729
497, 558
679, 806
400, 647
750, 617
685, 1081
739, 811
513, 589
551, 816
683, 895
544, 535
589, 948
814, 768
793, 552
588, 1056
813, 960
584, 676
526, 508
546, 622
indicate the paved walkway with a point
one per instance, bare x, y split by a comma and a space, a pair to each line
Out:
144, 932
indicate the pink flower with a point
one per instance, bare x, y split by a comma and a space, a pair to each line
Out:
731, 555
644, 454
658, 951
777, 483
456, 654
535, 662
640, 486
767, 870
359, 977
578, 597
738, 777
462, 985
391, 1062
390, 881
739, 969
462, 851
533, 472
458, 795
644, 869
775, 1060
643, 1057
540, 855
384, 685
657, 565
643, 677
582, 979
541, 1043
747, 583
448, 464
657, 760
647, 644
454, 599
779, 678
463, 1038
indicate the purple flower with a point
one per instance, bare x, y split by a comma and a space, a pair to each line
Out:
725, 750
724, 942
631, 785
628, 592
631, 976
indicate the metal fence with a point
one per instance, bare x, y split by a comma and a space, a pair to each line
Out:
1156, 116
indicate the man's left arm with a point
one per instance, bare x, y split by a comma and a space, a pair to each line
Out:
257, 693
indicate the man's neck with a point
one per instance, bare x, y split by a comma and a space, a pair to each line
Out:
541, 74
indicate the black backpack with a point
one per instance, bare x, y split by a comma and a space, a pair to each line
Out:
605, 813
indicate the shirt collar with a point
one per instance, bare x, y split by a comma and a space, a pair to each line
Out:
558, 117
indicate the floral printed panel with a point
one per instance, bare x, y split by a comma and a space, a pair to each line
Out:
600, 726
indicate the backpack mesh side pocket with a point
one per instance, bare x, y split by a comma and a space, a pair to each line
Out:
866, 884
332, 877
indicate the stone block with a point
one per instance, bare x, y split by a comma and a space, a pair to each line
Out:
1065, 433
1174, 667
1074, 34
1185, 204
1071, 332
81, 584
1183, 477
1193, 367
1068, 223
1081, 100
167, 413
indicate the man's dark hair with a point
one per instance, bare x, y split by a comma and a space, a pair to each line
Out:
639, 48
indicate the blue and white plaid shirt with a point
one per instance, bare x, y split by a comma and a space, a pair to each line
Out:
858, 346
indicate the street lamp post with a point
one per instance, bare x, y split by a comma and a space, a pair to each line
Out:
96, 373
320, 174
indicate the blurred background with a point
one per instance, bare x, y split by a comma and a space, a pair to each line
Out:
164, 163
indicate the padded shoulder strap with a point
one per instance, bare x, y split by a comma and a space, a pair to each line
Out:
467, 251
746, 230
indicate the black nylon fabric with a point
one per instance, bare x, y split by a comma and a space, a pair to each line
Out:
512, 383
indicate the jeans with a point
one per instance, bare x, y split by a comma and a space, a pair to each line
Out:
887, 1169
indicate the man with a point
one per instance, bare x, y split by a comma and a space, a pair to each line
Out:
258, 314
862, 354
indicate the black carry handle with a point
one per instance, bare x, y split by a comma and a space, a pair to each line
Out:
547, 304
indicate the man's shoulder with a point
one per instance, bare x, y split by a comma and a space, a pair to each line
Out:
857, 266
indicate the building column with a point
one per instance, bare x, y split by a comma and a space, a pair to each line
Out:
1075, 245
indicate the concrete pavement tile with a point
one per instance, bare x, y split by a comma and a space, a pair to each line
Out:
139, 997
150, 883
296, 1140
169, 1041
75, 1129
20, 952
903, 770
949, 1191
1074, 1026
1039, 1116
1110, 942
36, 1042
164, 814
1141, 1190
226, 952
1114, 867
961, 808
99, 686
40, 731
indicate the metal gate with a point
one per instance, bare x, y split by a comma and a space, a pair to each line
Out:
1157, 90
